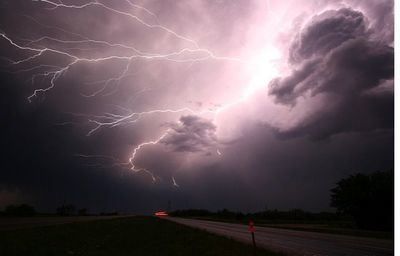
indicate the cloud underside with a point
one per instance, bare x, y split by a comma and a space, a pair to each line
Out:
191, 134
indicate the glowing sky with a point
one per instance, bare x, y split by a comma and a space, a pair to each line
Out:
210, 104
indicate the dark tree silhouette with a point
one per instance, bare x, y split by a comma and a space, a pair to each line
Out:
368, 198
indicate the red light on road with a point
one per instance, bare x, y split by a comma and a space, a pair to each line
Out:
252, 229
161, 214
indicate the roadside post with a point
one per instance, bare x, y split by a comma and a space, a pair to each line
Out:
252, 229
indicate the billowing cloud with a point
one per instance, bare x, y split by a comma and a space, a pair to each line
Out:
191, 134
335, 57
326, 32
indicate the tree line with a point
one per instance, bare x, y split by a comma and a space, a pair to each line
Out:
366, 200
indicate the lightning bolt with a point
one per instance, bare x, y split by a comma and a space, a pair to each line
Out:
174, 182
55, 74
119, 120
36, 48
140, 146
134, 17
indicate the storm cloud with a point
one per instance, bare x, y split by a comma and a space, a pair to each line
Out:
191, 134
335, 57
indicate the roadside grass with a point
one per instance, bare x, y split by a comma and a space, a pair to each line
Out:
122, 236
329, 227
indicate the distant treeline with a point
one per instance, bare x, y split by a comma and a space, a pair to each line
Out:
270, 216
25, 210
21, 210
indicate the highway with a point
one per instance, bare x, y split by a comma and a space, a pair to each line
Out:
293, 242
7, 223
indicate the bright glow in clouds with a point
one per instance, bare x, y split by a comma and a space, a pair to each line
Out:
262, 69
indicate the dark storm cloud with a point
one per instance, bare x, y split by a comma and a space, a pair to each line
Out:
284, 87
335, 57
382, 16
326, 32
191, 134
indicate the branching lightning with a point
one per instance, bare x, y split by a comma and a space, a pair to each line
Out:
36, 48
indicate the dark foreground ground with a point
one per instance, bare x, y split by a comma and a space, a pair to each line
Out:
121, 236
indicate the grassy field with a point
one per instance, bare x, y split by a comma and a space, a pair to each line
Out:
123, 236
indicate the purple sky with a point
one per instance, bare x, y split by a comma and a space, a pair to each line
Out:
124, 105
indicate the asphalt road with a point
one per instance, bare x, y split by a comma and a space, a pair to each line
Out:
294, 242
7, 223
